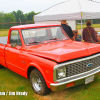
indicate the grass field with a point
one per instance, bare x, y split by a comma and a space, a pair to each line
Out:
84, 25
10, 81
4, 32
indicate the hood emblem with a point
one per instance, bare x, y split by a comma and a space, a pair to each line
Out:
89, 65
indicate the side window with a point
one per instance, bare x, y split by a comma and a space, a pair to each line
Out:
15, 37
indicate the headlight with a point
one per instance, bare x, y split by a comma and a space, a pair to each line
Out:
61, 72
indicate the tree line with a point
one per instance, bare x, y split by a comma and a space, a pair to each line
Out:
18, 17
15, 18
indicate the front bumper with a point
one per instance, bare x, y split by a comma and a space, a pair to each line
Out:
78, 79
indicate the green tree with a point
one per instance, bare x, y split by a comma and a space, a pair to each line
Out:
30, 15
1, 19
8, 18
19, 16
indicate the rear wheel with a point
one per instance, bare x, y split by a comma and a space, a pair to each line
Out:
38, 83
1, 67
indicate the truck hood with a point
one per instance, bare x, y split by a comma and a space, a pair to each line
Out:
61, 51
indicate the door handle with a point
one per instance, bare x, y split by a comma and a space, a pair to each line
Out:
6, 49
17, 48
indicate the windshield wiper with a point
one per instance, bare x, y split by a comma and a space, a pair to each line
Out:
64, 39
35, 42
55, 39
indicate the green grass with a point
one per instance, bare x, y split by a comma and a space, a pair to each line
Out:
10, 81
4, 32
85, 92
84, 25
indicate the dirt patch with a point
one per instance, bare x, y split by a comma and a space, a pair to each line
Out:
59, 95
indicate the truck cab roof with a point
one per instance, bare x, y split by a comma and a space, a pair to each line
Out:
33, 26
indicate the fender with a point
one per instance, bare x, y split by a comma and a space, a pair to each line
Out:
37, 67
47, 74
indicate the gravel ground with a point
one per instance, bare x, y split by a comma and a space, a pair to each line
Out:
3, 40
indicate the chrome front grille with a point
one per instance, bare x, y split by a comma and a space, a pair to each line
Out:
79, 68
82, 66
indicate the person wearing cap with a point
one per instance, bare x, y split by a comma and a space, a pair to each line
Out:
67, 29
77, 37
89, 34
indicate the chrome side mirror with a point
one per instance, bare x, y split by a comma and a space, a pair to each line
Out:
13, 44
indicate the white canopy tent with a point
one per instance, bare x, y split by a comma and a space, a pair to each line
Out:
71, 10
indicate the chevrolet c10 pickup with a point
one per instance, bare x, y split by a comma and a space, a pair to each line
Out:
44, 54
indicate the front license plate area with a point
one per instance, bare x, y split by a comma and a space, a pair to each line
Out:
89, 79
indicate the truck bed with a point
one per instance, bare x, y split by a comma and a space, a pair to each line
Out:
3, 40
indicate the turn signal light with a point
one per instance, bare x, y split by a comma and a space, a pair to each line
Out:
70, 84
48, 72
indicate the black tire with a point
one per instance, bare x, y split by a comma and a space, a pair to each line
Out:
38, 83
1, 67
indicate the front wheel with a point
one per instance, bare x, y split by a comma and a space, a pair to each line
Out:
38, 83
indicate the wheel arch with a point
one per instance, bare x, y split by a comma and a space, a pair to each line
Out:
29, 71
43, 72
34, 66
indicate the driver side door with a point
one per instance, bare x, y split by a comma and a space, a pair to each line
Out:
13, 50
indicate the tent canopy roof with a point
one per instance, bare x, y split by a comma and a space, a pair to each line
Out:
71, 10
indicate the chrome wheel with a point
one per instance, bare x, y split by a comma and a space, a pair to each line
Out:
36, 81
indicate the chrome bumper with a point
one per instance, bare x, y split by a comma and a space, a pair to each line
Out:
78, 79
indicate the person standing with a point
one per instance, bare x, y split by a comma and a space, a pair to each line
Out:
67, 29
77, 36
89, 34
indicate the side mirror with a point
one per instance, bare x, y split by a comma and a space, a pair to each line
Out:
13, 44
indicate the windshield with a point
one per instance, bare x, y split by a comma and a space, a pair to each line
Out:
42, 35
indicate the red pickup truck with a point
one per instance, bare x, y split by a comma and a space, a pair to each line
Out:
44, 54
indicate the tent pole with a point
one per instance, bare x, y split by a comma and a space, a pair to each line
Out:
81, 26
81, 30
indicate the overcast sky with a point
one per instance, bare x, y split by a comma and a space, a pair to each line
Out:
27, 6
